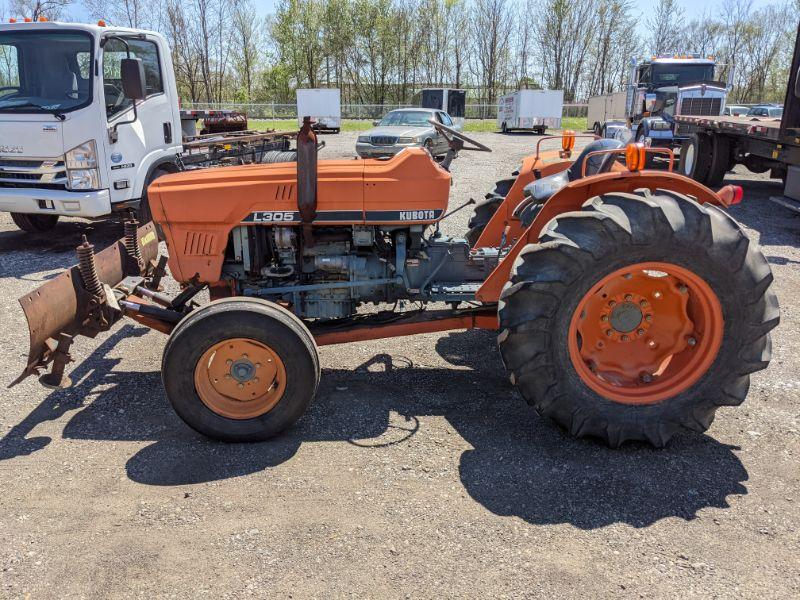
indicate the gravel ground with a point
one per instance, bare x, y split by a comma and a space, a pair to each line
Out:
417, 472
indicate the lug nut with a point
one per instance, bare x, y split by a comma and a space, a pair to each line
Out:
628, 297
682, 289
691, 341
625, 338
647, 378
609, 333
241, 386
604, 318
643, 303
640, 332
648, 318
612, 304
258, 365
229, 362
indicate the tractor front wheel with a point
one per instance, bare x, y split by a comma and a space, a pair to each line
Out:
637, 317
240, 369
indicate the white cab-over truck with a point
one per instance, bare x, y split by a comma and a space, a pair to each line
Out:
89, 117
658, 89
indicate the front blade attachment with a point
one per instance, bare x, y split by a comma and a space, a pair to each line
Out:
80, 301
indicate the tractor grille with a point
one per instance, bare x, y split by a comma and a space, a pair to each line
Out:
701, 106
384, 140
45, 173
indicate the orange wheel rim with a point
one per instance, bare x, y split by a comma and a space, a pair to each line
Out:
240, 378
645, 333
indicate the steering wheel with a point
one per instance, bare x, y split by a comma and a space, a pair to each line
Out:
449, 133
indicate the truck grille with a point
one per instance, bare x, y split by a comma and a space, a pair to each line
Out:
701, 106
48, 173
384, 140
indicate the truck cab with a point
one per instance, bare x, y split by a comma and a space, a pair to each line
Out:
72, 141
660, 88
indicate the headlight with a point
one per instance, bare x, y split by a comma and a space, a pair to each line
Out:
83, 156
83, 179
659, 126
81, 162
363, 139
406, 140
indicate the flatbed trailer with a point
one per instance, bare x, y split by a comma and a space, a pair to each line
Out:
717, 144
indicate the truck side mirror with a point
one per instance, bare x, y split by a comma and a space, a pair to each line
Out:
132, 73
650, 102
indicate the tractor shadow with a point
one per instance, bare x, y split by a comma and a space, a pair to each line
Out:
519, 465
23, 254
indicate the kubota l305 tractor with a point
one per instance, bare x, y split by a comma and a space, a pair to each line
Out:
629, 304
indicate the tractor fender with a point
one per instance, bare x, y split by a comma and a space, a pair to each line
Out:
572, 196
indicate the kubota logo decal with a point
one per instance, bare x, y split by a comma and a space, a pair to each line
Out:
417, 215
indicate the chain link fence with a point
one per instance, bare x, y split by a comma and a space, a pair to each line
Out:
274, 110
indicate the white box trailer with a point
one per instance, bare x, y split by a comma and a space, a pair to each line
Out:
321, 104
606, 108
530, 109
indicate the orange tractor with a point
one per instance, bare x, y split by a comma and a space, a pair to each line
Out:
629, 305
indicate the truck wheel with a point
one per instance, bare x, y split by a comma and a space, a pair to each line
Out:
481, 215
598, 131
240, 369
720, 160
695, 160
504, 128
637, 317
33, 223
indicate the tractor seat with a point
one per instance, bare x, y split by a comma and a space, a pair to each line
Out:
541, 190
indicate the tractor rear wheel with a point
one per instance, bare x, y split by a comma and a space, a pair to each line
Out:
481, 215
240, 369
637, 317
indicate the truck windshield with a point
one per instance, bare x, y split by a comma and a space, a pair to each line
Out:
45, 71
680, 74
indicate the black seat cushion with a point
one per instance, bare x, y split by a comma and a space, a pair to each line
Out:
541, 190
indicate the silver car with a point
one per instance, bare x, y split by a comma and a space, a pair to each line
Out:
404, 128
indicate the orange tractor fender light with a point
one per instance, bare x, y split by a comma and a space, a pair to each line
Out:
12, 20
635, 156
42, 19
567, 143
731, 194
28, 20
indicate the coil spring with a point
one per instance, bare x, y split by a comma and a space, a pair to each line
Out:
130, 228
88, 269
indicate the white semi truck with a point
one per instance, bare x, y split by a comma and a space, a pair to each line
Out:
658, 89
89, 117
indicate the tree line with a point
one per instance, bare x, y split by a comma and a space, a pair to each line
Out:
385, 51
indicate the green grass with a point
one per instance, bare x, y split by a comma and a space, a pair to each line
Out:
471, 125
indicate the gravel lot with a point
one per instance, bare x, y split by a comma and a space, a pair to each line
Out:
418, 471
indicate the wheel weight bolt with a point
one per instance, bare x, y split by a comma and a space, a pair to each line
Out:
691, 341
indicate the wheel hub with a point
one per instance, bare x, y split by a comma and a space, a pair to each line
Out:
240, 378
626, 317
644, 332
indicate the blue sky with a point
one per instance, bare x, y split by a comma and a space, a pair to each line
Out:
691, 8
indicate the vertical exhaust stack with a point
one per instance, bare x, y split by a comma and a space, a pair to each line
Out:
307, 178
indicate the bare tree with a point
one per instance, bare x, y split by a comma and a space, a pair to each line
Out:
490, 30
666, 25
34, 9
